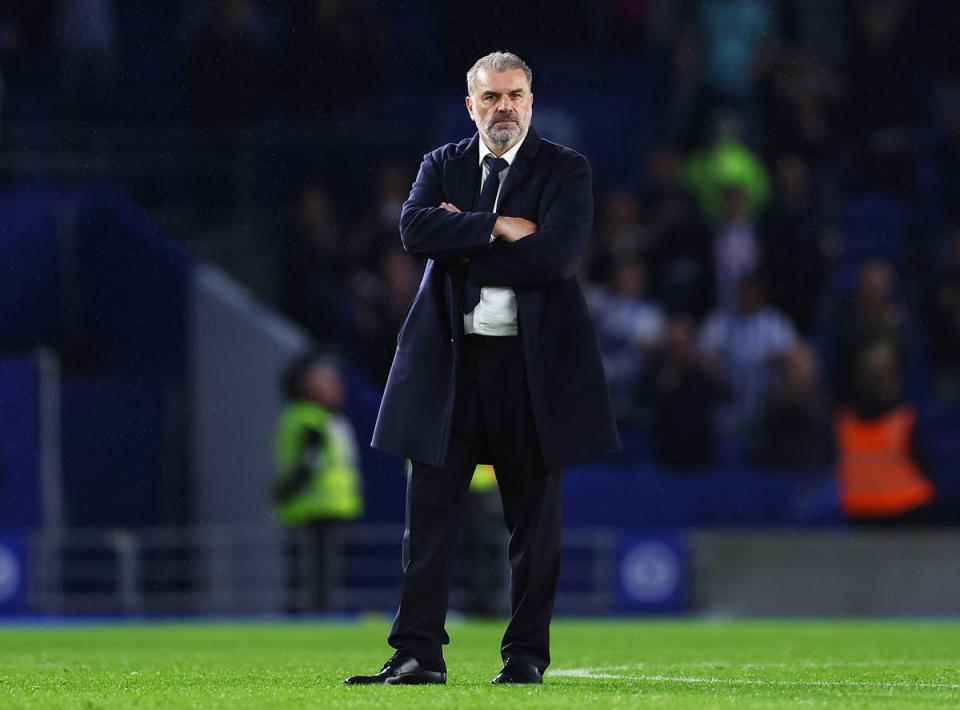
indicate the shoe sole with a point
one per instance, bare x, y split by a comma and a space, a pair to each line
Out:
410, 679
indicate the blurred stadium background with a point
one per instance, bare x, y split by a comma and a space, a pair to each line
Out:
194, 194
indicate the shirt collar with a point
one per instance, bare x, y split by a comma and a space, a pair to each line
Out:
509, 156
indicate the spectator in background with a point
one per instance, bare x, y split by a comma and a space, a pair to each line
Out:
335, 56
748, 341
816, 27
871, 316
385, 296
225, 70
946, 157
736, 250
803, 103
225, 79
377, 229
621, 234
683, 385
485, 562
880, 463
794, 245
737, 37
732, 187
9, 44
35, 20
942, 316
793, 428
631, 25
884, 100
315, 278
629, 325
680, 254
728, 47
725, 163
318, 483
86, 40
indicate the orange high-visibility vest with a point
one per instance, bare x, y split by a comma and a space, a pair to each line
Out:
877, 474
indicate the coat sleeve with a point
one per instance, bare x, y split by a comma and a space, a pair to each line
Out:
430, 232
554, 251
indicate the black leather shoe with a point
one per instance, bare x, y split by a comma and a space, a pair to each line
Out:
401, 669
517, 672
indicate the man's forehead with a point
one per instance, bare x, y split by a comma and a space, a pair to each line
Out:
501, 81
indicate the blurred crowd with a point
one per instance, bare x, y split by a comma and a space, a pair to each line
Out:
790, 250
784, 247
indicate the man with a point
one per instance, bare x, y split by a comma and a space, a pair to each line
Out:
496, 363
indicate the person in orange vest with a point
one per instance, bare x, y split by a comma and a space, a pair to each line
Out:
879, 466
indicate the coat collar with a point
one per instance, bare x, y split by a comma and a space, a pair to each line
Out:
467, 175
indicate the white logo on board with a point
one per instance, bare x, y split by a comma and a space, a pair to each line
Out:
9, 573
650, 572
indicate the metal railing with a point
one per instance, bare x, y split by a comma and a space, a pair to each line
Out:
205, 570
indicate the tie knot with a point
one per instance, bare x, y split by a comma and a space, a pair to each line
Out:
495, 165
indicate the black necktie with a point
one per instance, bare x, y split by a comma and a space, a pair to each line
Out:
488, 197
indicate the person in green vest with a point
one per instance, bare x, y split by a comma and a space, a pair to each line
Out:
485, 562
318, 484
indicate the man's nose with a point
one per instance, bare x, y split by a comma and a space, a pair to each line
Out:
505, 105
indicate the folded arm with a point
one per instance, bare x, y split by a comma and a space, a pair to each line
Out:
554, 250
429, 231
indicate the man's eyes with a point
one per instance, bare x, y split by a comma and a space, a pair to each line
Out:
493, 97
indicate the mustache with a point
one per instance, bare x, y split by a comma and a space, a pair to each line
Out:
505, 117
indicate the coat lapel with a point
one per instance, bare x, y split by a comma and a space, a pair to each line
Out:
521, 166
464, 175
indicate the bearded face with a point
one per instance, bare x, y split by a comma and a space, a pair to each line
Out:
501, 106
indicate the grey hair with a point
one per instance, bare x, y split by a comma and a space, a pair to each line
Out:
498, 62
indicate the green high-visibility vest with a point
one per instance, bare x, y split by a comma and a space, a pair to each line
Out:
484, 479
309, 435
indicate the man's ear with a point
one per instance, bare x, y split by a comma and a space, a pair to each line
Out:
469, 104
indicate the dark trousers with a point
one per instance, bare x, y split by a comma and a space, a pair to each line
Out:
492, 423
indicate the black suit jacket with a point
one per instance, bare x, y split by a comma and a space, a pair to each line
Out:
552, 186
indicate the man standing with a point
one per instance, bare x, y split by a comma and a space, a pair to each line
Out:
496, 363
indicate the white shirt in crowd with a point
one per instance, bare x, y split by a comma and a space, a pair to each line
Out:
746, 344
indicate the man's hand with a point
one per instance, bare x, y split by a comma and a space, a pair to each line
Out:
513, 229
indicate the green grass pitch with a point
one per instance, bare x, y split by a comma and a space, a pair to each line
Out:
604, 664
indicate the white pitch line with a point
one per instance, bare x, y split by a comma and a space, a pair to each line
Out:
599, 674
725, 665
585, 673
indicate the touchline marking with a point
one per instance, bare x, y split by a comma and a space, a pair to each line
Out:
585, 673
799, 663
599, 674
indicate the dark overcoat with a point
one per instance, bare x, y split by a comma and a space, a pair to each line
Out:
552, 186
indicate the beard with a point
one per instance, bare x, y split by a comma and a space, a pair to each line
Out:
505, 133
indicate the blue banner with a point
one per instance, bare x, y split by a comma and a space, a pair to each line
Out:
21, 504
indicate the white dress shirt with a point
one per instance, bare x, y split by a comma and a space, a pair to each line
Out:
496, 314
